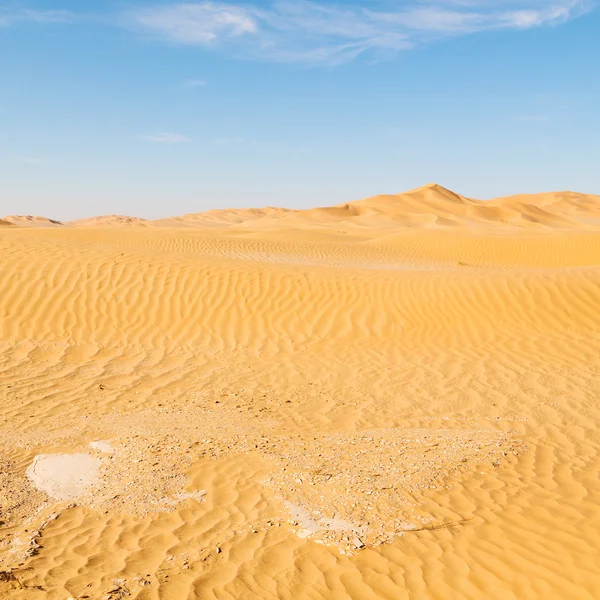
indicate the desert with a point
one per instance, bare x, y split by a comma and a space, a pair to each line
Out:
394, 397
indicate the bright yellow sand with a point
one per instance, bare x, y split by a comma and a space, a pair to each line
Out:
423, 367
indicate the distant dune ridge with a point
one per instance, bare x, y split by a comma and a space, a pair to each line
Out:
392, 398
31, 221
106, 220
425, 206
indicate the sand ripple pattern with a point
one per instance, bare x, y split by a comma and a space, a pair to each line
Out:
426, 313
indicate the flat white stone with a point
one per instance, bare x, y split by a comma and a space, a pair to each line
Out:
304, 533
63, 476
102, 446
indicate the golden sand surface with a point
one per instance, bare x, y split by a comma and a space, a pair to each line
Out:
393, 398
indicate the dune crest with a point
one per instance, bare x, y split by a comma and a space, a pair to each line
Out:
107, 221
31, 221
427, 206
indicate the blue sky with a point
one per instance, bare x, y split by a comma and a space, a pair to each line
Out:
159, 108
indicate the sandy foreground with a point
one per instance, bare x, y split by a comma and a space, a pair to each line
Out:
392, 398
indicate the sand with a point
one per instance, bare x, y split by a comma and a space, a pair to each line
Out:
391, 398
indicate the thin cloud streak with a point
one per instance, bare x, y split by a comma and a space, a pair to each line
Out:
319, 32
534, 118
8, 18
200, 23
194, 83
307, 31
167, 138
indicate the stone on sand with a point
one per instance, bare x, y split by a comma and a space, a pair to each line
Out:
63, 476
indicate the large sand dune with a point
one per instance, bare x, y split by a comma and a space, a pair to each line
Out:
392, 398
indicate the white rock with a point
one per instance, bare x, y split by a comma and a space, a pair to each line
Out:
63, 476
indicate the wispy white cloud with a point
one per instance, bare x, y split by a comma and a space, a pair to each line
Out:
199, 23
29, 160
310, 31
259, 144
167, 138
194, 83
534, 118
8, 17
322, 31
230, 141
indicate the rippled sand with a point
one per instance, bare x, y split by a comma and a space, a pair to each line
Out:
393, 398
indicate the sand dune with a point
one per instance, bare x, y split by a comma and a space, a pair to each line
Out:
391, 398
107, 221
31, 221
430, 205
